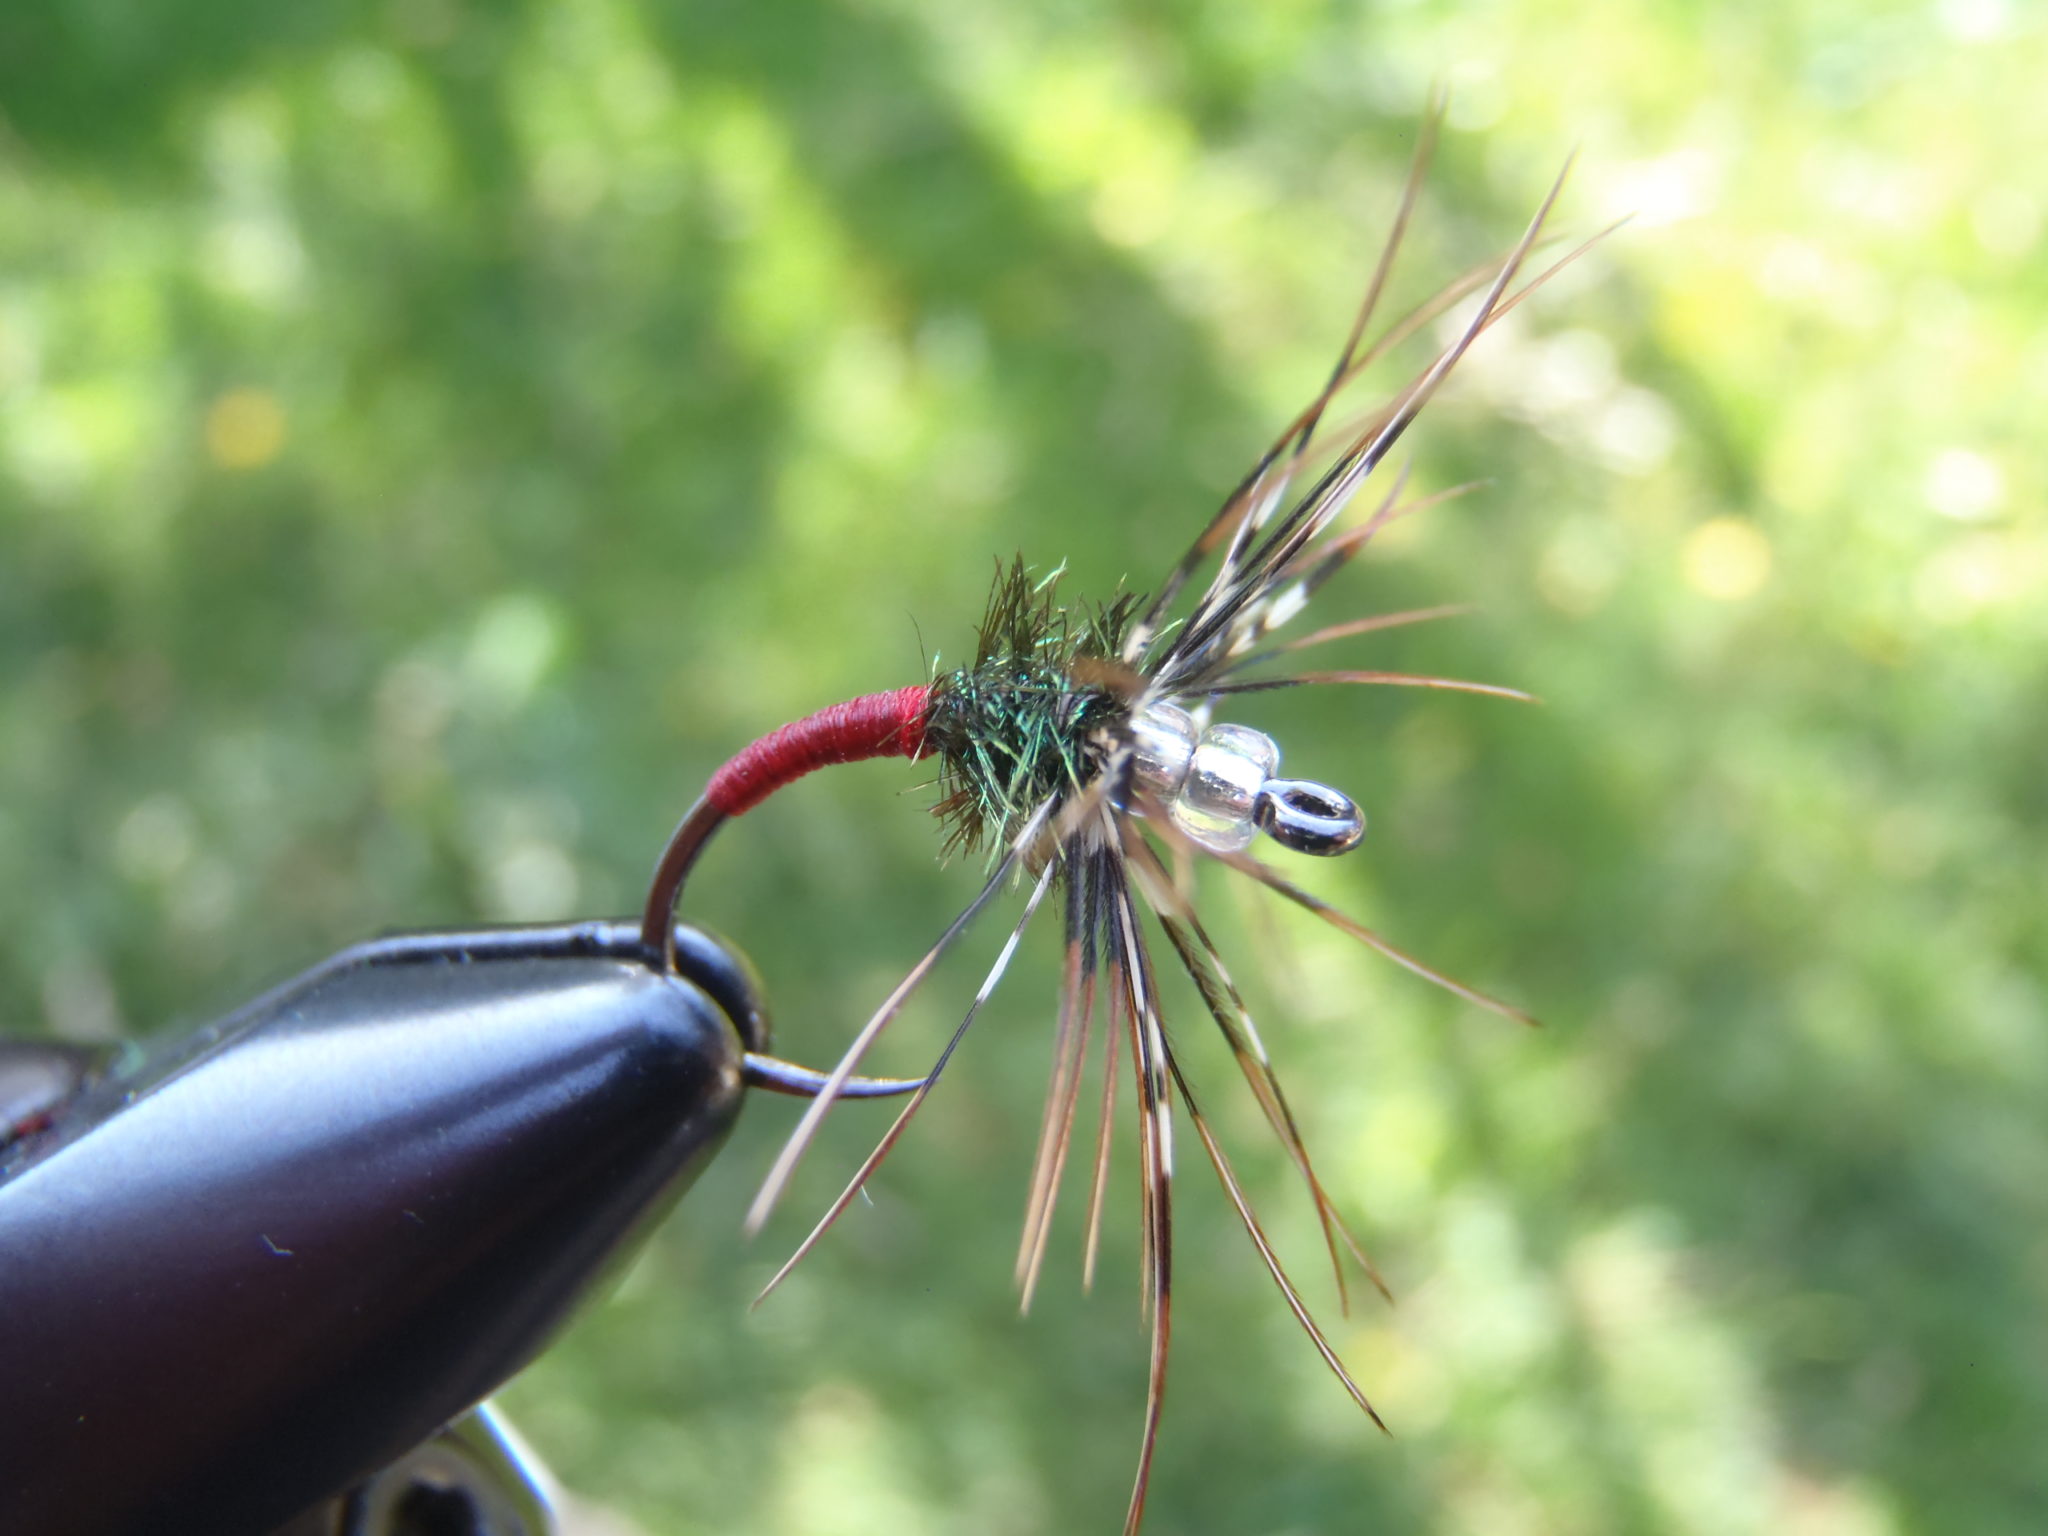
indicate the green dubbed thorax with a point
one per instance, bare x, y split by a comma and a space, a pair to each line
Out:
1023, 722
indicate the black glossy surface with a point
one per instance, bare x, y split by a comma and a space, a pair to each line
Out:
333, 1222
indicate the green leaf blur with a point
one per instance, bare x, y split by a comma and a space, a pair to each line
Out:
434, 435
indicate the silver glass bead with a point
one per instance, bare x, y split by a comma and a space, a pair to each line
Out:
1231, 764
1162, 747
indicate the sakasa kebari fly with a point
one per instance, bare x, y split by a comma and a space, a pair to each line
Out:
1084, 750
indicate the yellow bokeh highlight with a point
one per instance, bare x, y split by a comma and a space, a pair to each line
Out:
1727, 558
245, 429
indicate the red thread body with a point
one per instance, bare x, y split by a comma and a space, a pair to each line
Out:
875, 725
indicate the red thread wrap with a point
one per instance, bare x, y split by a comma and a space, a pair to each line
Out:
875, 725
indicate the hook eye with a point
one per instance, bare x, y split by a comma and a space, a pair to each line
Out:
1309, 818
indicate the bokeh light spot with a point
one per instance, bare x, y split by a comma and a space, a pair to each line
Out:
245, 429
1964, 485
1727, 558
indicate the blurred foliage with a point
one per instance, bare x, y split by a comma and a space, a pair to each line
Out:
433, 435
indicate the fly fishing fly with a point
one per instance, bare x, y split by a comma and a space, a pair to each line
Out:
1083, 750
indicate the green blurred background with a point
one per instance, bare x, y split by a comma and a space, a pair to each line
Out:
433, 435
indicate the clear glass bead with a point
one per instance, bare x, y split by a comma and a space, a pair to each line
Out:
1162, 746
1231, 763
